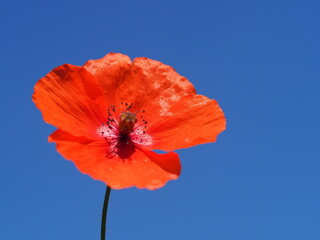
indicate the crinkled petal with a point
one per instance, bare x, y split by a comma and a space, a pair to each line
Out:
111, 72
195, 120
71, 99
156, 87
177, 117
143, 169
146, 83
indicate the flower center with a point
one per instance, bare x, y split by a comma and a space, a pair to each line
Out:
124, 131
127, 120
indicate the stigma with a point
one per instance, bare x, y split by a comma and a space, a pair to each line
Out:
127, 120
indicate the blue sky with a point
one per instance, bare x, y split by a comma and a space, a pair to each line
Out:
259, 59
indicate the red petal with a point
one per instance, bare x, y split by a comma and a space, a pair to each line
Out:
143, 169
111, 72
177, 117
70, 98
146, 83
193, 120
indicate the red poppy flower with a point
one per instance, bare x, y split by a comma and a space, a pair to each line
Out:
111, 112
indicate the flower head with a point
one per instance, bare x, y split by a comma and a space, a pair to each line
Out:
112, 112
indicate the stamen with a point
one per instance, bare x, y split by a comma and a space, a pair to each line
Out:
124, 131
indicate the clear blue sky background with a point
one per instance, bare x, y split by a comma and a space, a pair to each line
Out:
259, 59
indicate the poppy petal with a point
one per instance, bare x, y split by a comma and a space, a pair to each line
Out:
143, 169
144, 82
111, 71
155, 86
71, 99
195, 120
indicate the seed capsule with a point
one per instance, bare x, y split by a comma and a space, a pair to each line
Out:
127, 121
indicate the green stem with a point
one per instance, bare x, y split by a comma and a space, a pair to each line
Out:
104, 213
